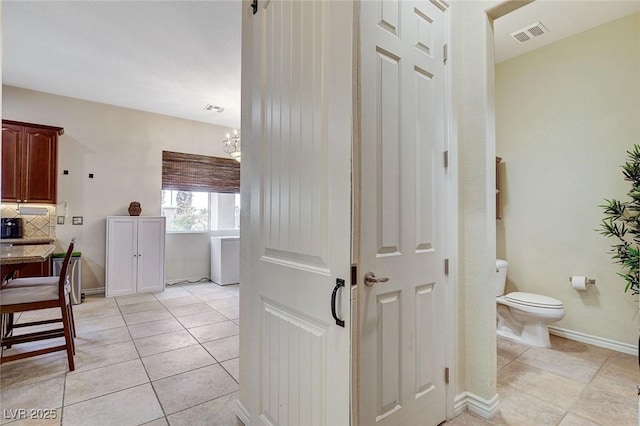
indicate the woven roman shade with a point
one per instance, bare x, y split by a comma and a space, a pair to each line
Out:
199, 173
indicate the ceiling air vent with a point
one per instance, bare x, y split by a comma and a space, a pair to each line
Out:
215, 108
530, 31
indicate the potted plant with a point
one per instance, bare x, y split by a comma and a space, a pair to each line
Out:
622, 222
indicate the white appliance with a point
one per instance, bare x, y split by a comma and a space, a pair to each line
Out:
75, 275
225, 260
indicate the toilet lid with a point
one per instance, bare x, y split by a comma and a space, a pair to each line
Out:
536, 300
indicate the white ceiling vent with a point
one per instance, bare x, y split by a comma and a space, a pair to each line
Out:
530, 31
215, 108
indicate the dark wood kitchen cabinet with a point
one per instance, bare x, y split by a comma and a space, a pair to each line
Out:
29, 162
36, 269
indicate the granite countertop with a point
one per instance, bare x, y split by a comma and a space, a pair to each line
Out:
12, 255
27, 240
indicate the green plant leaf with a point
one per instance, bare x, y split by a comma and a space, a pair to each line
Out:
622, 223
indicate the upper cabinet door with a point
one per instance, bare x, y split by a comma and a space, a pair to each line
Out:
39, 165
29, 162
11, 155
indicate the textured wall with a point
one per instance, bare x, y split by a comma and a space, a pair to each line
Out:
123, 149
473, 133
566, 114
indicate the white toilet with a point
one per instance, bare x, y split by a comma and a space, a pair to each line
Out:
523, 317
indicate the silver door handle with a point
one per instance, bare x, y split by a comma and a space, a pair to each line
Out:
370, 279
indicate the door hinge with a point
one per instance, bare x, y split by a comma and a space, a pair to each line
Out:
354, 274
444, 54
446, 159
446, 266
446, 375
254, 6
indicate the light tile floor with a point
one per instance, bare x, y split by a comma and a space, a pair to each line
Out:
156, 359
172, 358
570, 384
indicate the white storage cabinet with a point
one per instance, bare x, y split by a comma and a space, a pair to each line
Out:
135, 255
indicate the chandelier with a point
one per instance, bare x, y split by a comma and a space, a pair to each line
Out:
232, 145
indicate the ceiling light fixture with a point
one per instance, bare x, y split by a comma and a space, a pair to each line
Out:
232, 145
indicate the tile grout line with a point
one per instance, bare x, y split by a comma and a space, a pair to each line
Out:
144, 367
584, 389
201, 344
202, 403
153, 388
139, 357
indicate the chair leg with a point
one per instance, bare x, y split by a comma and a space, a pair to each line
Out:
7, 326
3, 320
68, 339
73, 321
69, 302
73, 328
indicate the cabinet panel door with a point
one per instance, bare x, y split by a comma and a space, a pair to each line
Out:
39, 165
11, 154
151, 233
37, 269
122, 256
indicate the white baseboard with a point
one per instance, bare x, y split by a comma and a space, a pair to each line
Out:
594, 340
242, 413
485, 408
459, 404
95, 290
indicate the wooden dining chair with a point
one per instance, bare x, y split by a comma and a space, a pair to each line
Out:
38, 295
40, 281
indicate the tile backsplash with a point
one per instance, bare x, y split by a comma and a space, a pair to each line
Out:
43, 225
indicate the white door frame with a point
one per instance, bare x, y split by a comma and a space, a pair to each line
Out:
451, 230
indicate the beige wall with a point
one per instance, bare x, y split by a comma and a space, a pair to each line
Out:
123, 149
566, 114
473, 142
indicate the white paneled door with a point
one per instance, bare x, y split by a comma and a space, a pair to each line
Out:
300, 160
402, 340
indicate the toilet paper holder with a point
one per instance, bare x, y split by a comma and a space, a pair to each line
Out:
588, 281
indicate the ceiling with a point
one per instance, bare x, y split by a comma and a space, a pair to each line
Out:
562, 18
176, 57
167, 57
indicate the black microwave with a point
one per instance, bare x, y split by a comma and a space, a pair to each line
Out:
11, 227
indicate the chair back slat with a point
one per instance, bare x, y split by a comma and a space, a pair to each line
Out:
65, 264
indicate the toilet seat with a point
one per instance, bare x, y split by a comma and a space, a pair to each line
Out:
534, 300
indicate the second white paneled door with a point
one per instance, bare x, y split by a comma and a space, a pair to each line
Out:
402, 352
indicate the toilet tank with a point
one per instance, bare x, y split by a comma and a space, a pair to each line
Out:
501, 276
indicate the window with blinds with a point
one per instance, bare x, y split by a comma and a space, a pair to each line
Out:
200, 193
191, 172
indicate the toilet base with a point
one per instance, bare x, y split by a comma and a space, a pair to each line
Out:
532, 334
522, 327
